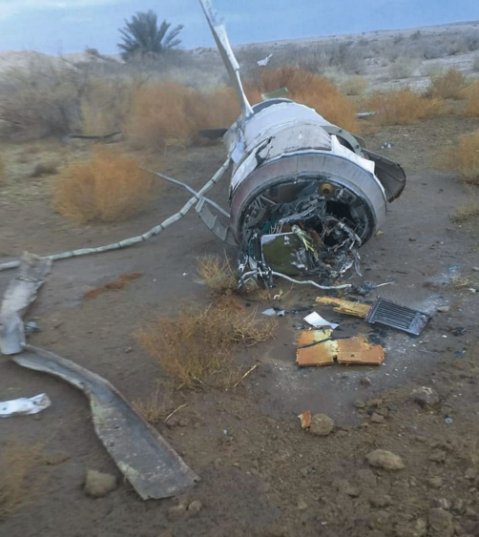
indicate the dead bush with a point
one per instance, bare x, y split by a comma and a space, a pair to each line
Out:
109, 186
449, 85
45, 168
403, 107
17, 483
217, 274
39, 100
312, 90
355, 86
167, 113
193, 345
105, 104
472, 100
466, 214
463, 157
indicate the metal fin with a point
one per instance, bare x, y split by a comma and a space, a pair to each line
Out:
222, 42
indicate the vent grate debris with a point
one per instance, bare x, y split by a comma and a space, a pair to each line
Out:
400, 317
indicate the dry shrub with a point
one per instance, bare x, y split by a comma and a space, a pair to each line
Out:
472, 100
17, 484
105, 105
217, 274
154, 408
312, 90
403, 107
466, 214
463, 157
167, 113
195, 344
2, 172
109, 186
449, 85
355, 86
45, 168
38, 100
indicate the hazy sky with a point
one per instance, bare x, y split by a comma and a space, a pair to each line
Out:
62, 26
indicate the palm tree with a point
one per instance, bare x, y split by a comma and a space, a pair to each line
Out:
141, 36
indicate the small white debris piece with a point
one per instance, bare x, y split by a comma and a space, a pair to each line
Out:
24, 405
315, 320
274, 312
264, 61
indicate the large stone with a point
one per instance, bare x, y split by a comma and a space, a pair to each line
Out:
99, 484
441, 523
425, 396
321, 425
381, 458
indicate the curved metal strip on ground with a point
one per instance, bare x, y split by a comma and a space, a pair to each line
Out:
144, 457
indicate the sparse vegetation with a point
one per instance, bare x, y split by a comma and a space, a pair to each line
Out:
403, 107
109, 186
39, 100
17, 484
217, 274
472, 100
355, 86
2, 172
193, 345
463, 157
466, 214
142, 36
449, 85
313, 90
45, 168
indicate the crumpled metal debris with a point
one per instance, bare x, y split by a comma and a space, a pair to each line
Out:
318, 349
20, 293
144, 457
24, 406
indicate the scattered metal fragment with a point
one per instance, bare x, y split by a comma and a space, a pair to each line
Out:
305, 419
358, 351
146, 460
315, 320
20, 293
348, 307
24, 406
402, 318
316, 348
274, 312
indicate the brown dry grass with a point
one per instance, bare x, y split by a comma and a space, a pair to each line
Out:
472, 100
312, 90
109, 186
217, 275
17, 484
463, 157
355, 86
2, 172
403, 107
449, 85
114, 285
167, 114
466, 214
194, 345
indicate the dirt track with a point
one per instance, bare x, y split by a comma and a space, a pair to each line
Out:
261, 475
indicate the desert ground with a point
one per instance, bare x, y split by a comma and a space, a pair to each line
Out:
260, 473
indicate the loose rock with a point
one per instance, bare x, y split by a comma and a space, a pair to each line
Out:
441, 523
381, 458
425, 396
195, 506
438, 455
321, 425
99, 484
177, 511
435, 482
380, 500
377, 418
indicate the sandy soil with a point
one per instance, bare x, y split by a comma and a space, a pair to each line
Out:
261, 475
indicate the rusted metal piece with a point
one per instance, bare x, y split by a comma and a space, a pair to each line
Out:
144, 457
395, 316
20, 293
348, 307
315, 348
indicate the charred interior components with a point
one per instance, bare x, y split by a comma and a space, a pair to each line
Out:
304, 193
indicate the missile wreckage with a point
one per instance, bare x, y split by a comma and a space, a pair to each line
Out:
304, 193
